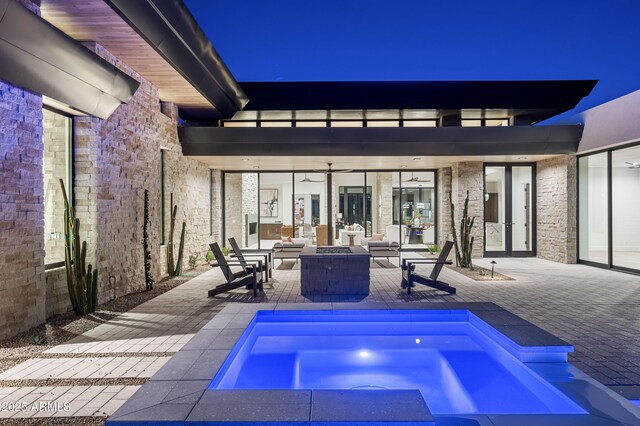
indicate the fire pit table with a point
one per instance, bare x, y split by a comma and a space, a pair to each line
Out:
334, 271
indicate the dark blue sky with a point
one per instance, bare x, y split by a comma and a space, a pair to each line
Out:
286, 40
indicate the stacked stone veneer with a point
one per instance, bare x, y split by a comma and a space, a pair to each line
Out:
384, 188
556, 209
115, 161
444, 206
22, 278
469, 176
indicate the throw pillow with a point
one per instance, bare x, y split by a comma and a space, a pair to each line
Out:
287, 240
377, 237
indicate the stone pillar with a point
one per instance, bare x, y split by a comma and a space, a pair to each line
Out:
385, 191
22, 292
444, 208
556, 209
216, 205
468, 176
232, 207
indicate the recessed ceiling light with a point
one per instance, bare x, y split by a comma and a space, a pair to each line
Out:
522, 158
245, 159
417, 158
256, 167
403, 167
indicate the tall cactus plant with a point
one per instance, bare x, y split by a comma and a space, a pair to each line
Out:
174, 269
82, 279
148, 276
463, 246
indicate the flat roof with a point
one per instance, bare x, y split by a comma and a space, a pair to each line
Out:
539, 99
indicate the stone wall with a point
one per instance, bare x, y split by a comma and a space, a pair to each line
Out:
468, 176
384, 186
22, 278
444, 206
115, 160
233, 207
556, 209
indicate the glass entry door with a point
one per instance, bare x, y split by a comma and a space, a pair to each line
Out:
509, 212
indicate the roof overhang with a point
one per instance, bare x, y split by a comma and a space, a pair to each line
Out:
379, 141
41, 58
160, 40
169, 27
539, 99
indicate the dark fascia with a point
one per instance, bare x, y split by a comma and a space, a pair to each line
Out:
169, 27
379, 141
39, 57
548, 97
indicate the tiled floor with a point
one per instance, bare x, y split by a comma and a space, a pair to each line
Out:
596, 310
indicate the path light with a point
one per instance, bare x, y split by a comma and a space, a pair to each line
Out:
493, 265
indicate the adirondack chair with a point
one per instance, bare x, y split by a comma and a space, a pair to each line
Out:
237, 279
410, 277
265, 256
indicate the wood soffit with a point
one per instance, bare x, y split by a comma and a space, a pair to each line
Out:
94, 20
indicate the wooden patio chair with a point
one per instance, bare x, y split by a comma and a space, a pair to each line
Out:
264, 255
410, 277
237, 279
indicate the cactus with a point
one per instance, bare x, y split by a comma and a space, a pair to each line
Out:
464, 247
174, 269
82, 279
148, 277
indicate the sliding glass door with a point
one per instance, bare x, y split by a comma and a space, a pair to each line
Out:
609, 208
340, 208
625, 208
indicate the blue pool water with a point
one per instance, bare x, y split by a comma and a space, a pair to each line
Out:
459, 366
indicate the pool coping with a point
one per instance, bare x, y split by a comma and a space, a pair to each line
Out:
178, 393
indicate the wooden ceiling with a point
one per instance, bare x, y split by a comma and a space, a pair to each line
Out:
94, 20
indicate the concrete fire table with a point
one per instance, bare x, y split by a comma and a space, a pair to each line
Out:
334, 271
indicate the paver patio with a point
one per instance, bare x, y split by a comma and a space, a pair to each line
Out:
596, 310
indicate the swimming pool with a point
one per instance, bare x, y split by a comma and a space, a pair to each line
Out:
451, 358
322, 364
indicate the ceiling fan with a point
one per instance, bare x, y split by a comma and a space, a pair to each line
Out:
633, 165
309, 180
330, 170
416, 179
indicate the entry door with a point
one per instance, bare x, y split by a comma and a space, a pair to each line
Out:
509, 210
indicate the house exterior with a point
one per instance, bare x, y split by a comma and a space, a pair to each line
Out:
136, 102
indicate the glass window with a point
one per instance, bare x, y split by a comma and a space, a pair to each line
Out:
625, 187
420, 123
275, 124
416, 209
309, 208
471, 123
593, 208
497, 123
275, 208
57, 164
386, 123
238, 124
346, 123
311, 124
